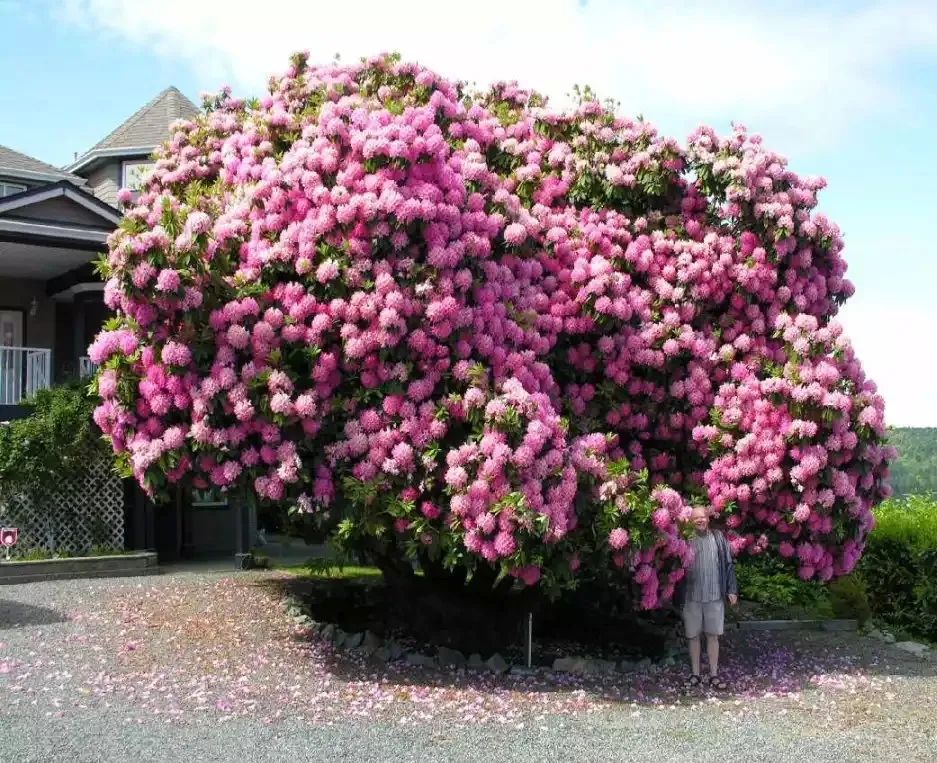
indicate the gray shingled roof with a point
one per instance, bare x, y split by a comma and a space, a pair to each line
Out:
150, 125
13, 163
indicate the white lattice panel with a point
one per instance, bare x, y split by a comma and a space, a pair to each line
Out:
80, 514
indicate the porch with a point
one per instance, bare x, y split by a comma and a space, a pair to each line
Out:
51, 301
44, 337
26, 370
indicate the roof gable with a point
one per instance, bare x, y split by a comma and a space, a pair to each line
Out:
149, 126
62, 209
57, 203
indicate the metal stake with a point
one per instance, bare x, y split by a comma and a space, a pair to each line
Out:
530, 638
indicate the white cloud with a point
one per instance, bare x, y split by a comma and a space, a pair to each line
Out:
895, 343
805, 75
892, 320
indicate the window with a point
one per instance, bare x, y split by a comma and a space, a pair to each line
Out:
8, 189
209, 498
11, 328
135, 174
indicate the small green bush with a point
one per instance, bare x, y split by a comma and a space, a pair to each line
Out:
55, 442
259, 561
768, 581
900, 565
849, 599
51, 444
38, 554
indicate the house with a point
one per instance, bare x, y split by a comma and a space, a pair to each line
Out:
54, 224
51, 229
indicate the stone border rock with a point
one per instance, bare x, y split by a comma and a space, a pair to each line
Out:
881, 635
118, 565
916, 648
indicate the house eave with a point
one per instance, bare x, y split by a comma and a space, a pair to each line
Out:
48, 177
67, 294
78, 280
55, 235
88, 160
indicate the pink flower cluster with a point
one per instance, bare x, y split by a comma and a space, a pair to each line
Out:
523, 451
373, 279
799, 451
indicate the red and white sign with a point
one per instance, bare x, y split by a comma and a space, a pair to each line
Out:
9, 536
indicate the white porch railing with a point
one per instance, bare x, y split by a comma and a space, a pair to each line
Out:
23, 372
86, 368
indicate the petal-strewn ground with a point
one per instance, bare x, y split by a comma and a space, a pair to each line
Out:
205, 649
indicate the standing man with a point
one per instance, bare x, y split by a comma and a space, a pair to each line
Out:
710, 580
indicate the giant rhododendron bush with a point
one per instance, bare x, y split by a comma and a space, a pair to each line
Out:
512, 342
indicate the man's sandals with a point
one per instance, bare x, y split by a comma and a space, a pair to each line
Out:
713, 682
691, 683
717, 683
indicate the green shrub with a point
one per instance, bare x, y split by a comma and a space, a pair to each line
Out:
259, 561
39, 554
51, 444
849, 599
900, 565
771, 583
55, 442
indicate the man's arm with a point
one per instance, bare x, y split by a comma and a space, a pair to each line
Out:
732, 585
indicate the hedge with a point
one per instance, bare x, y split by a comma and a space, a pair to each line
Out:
899, 567
51, 444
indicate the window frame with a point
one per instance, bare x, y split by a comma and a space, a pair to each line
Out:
127, 165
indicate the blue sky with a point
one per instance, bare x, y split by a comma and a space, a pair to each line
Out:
847, 90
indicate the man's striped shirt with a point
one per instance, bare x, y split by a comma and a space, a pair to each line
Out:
704, 579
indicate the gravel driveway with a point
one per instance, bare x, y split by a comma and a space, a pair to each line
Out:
204, 666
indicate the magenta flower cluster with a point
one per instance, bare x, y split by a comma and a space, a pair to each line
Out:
501, 334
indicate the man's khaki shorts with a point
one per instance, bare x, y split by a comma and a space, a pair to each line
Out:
704, 616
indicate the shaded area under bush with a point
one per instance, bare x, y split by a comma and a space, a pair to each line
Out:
427, 617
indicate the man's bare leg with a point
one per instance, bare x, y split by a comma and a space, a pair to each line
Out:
712, 652
695, 649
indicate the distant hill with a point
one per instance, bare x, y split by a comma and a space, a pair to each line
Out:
915, 472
